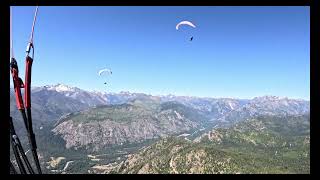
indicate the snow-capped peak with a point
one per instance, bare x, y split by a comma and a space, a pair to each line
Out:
61, 88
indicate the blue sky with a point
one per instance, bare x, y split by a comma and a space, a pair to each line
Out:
239, 52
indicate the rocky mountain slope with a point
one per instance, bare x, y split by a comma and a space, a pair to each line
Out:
133, 122
264, 145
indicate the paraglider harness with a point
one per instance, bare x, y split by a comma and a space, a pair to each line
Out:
26, 115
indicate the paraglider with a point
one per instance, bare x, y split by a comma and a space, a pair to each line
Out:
188, 23
105, 72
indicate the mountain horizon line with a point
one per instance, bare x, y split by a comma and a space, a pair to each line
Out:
65, 87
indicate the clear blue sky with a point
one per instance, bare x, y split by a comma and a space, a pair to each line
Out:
239, 52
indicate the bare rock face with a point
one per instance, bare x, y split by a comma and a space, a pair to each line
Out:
128, 123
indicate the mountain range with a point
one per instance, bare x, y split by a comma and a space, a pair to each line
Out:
48, 102
75, 123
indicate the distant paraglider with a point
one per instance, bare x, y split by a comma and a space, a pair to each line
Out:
105, 72
188, 23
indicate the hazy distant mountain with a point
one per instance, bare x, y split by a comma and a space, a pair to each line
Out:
54, 101
266, 106
215, 107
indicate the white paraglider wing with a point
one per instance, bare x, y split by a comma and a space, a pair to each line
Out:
104, 71
185, 23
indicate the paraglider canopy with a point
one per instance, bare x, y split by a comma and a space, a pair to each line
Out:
185, 23
104, 71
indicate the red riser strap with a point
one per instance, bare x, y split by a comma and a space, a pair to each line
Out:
17, 85
27, 94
